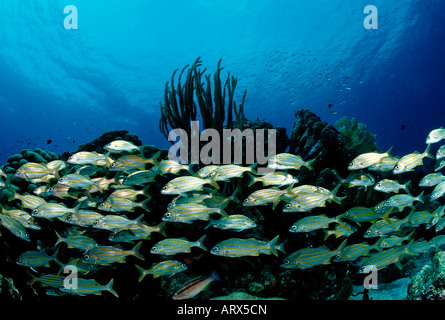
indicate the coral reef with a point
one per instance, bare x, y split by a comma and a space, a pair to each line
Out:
356, 139
313, 139
179, 107
429, 282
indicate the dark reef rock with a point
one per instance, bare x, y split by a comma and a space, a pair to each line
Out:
313, 139
429, 282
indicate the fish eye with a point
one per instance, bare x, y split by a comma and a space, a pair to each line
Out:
294, 227
387, 203
286, 262
215, 249
86, 257
167, 215
26, 236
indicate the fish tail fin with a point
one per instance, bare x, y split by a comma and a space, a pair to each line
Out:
142, 272
252, 168
386, 215
145, 191
59, 238
253, 179
272, 246
233, 196
221, 208
215, 276
190, 169
200, 243
211, 223
427, 152
388, 152
377, 246
281, 247
155, 159
110, 288
212, 181
342, 245
32, 280
405, 186
136, 252
308, 164
334, 194
419, 197
408, 248
98, 184
161, 228
144, 204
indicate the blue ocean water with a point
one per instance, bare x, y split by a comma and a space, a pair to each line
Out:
71, 85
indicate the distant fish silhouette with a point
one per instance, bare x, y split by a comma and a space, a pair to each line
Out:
402, 127
48, 141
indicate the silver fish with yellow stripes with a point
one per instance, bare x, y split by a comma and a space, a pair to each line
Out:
366, 160
313, 223
283, 161
132, 162
187, 213
15, 227
185, 184
385, 164
78, 181
311, 257
172, 166
165, 268
48, 280
130, 194
432, 179
440, 153
207, 171
105, 255
363, 214
387, 186
25, 219
393, 240
435, 135
173, 246
83, 218
83, 287
118, 146
136, 231
439, 165
32, 170
64, 191
77, 241
229, 171
360, 180
236, 247
34, 259
384, 227
382, 259
342, 229
403, 200
86, 157
306, 201
29, 201
119, 204
264, 196
235, 222
141, 177
51, 210
357, 250
115, 222
410, 161
438, 191
278, 179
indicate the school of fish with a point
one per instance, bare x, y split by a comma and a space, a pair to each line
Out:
107, 189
